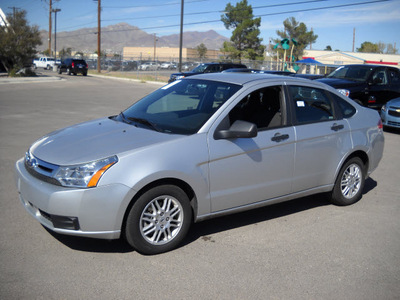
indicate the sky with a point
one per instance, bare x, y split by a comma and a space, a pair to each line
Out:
334, 21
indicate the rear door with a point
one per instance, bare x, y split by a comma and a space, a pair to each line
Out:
322, 137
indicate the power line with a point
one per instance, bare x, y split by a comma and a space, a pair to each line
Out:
154, 5
261, 15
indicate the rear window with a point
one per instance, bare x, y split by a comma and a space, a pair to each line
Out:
79, 61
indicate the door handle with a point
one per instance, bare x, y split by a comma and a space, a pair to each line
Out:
336, 127
279, 137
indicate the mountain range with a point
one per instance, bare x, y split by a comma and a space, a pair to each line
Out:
115, 37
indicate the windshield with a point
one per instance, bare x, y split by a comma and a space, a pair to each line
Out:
180, 107
200, 68
355, 73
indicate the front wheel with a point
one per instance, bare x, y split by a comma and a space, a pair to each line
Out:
349, 183
159, 220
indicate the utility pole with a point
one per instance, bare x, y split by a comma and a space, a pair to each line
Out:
181, 39
155, 46
98, 36
354, 38
50, 10
14, 11
55, 11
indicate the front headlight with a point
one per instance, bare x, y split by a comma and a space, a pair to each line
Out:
344, 92
84, 175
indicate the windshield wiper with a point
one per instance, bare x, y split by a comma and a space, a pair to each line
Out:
124, 118
145, 122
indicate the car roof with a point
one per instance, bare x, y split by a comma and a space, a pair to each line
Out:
246, 78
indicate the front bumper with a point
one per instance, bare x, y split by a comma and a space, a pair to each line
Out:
95, 212
390, 118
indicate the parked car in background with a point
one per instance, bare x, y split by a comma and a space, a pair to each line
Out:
197, 148
149, 66
206, 68
369, 85
73, 66
168, 65
129, 65
390, 113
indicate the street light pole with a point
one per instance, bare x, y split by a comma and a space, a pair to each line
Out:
55, 11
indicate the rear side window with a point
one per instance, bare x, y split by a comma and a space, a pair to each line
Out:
311, 104
346, 108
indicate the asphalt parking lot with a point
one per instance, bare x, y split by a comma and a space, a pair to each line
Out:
302, 249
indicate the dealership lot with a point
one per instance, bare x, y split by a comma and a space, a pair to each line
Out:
303, 249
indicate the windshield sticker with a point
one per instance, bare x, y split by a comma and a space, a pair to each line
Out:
300, 104
171, 84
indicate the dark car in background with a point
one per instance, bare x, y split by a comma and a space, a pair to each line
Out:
206, 68
369, 85
73, 66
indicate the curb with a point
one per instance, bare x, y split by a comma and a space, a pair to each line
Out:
13, 80
128, 79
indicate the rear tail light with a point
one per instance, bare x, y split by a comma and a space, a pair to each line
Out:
87, 66
371, 100
380, 125
73, 65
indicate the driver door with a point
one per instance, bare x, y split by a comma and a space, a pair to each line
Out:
245, 171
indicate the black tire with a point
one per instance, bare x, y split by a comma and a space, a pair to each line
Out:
59, 71
159, 220
349, 183
84, 74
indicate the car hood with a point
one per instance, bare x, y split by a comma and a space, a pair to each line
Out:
340, 83
94, 140
394, 102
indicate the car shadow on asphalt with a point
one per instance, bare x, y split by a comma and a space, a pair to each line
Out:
204, 230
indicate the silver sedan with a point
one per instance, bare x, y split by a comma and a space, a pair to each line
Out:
198, 148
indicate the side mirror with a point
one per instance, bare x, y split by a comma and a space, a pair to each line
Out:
239, 129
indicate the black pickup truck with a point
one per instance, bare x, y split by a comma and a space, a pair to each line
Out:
369, 85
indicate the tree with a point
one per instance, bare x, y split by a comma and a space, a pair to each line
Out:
391, 49
328, 48
201, 50
368, 47
245, 41
18, 41
297, 31
65, 52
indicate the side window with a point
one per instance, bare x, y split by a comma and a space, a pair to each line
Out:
310, 104
261, 107
346, 108
394, 77
379, 77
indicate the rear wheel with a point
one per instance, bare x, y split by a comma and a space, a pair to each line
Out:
349, 183
159, 220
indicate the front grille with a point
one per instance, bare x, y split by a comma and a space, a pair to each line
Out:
394, 113
40, 169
